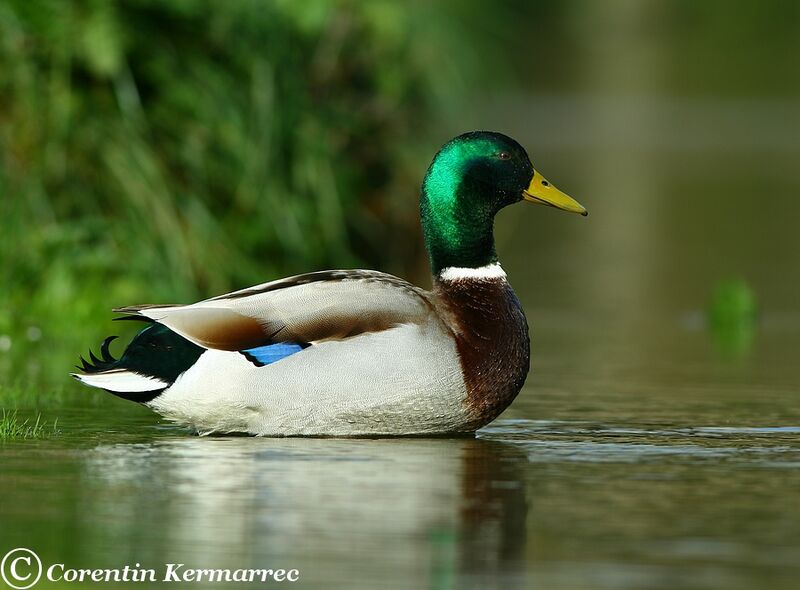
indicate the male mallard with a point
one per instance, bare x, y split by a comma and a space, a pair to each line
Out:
355, 352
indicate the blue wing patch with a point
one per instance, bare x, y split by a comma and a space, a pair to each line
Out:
271, 353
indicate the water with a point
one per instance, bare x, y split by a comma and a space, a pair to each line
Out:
678, 471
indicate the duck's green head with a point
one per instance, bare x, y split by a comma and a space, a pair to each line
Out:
471, 178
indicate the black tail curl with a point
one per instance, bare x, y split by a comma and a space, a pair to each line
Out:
155, 352
97, 365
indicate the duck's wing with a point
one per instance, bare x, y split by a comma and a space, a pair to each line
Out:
327, 305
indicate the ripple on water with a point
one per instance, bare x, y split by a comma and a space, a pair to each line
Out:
582, 441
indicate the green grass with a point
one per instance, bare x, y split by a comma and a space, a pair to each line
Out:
13, 428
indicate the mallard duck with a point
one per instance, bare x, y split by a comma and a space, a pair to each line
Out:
354, 352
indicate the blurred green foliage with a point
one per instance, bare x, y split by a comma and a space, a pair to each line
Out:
157, 151
732, 314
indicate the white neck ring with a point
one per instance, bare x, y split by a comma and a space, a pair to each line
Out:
490, 272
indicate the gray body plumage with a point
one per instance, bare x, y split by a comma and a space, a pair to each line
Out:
382, 361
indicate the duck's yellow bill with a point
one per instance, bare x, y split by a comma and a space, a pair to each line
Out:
542, 192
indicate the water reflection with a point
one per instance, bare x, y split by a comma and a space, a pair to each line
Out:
424, 513
595, 503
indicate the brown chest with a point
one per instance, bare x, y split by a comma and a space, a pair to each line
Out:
492, 340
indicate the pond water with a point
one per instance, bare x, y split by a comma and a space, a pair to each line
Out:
686, 474
649, 448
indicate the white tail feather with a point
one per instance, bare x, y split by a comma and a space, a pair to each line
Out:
121, 380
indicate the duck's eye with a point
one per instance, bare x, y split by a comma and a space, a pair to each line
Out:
504, 156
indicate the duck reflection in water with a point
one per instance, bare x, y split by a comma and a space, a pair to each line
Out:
433, 512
